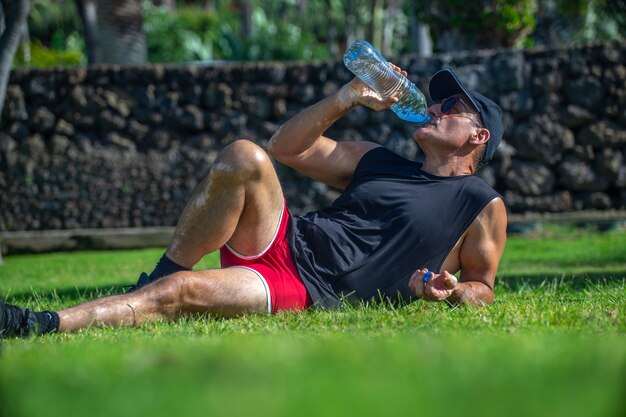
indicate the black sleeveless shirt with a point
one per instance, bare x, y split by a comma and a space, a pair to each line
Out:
392, 219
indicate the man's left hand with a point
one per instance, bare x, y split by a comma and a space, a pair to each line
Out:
439, 286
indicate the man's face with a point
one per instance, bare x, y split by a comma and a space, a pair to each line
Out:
453, 121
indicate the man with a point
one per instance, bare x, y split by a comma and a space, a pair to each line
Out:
399, 231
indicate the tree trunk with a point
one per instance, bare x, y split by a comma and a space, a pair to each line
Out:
246, 19
388, 23
420, 41
25, 41
413, 28
15, 15
1, 18
331, 31
89, 18
121, 31
351, 22
378, 16
371, 33
302, 6
424, 41
301, 10
169, 4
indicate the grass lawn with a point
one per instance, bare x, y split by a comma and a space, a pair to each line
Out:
553, 344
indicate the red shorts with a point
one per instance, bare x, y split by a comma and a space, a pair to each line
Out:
276, 269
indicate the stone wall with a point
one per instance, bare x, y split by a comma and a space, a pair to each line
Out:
124, 147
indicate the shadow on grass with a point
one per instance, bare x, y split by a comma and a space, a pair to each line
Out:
570, 281
73, 294
575, 282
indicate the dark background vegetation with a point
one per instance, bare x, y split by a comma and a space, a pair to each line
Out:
71, 32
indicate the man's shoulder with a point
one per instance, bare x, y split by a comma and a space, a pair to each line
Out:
381, 153
382, 160
480, 188
487, 201
493, 213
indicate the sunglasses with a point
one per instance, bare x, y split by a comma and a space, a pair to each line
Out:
448, 105
456, 105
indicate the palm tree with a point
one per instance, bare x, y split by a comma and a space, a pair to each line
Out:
121, 35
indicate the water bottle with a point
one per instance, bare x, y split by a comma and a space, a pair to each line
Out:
373, 69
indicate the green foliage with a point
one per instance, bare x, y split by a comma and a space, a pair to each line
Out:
517, 16
193, 33
278, 39
179, 36
601, 20
486, 23
56, 36
42, 57
202, 30
582, 21
53, 22
573, 8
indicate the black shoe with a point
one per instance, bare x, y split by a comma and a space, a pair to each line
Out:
141, 282
13, 320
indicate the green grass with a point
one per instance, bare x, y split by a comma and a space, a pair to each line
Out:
553, 344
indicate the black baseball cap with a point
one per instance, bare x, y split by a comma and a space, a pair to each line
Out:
445, 84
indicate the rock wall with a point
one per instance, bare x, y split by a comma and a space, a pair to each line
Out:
125, 146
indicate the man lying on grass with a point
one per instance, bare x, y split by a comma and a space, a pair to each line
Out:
399, 230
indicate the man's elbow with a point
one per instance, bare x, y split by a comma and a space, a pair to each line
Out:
482, 300
272, 148
276, 149
479, 296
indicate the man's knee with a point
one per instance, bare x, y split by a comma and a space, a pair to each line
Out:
176, 293
243, 159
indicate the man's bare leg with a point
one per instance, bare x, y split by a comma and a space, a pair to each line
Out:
221, 292
239, 203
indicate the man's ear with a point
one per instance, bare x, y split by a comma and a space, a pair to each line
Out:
481, 135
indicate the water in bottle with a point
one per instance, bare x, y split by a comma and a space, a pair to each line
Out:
373, 69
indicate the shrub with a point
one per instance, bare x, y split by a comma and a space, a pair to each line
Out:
43, 57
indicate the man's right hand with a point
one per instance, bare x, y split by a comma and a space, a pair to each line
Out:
356, 92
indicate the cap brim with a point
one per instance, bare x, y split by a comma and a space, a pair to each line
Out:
444, 84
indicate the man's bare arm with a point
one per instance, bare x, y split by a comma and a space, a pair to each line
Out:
300, 143
480, 256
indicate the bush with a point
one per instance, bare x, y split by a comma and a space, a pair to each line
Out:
486, 23
192, 34
43, 57
178, 36
272, 39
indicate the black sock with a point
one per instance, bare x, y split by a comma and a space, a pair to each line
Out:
42, 322
164, 267
18, 321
